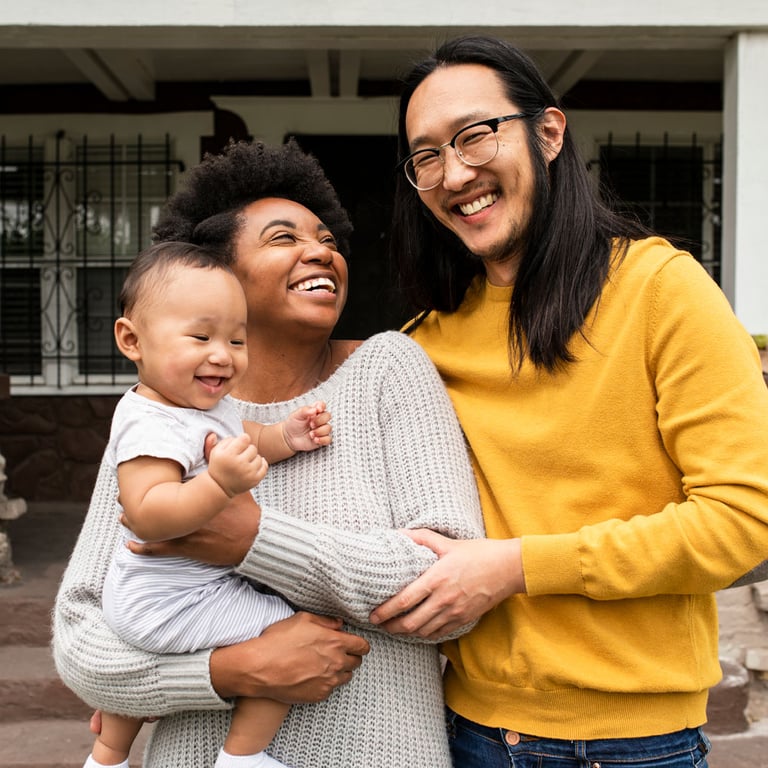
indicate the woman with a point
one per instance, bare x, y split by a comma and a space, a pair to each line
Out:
328, 537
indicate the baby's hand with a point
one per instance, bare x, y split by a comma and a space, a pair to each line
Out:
236, 465
308, 428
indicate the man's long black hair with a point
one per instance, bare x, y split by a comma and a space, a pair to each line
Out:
569, 240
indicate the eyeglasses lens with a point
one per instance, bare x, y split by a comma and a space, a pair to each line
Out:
475, 145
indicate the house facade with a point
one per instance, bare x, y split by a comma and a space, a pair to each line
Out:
103, 107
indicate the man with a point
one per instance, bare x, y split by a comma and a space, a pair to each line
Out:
617, 420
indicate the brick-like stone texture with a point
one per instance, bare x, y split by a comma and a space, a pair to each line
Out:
53, 445
726, 710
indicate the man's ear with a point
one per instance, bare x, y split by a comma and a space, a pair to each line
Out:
551, 129
127, 339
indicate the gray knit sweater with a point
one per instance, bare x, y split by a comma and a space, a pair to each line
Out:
328, 543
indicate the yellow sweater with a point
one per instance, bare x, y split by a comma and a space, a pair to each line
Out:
638, 481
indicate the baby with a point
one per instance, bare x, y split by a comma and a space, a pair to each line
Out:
184, 326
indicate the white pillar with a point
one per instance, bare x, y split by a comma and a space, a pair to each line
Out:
745, 179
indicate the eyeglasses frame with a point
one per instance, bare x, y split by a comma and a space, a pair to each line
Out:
493, 123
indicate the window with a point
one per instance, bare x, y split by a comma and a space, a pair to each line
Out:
72, 217
675, 190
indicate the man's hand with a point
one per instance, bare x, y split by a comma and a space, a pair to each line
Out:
470, 578
297, 660
225, 540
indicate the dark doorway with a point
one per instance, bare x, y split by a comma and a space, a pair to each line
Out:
361, 168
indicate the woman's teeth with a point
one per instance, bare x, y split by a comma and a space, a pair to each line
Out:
315, 283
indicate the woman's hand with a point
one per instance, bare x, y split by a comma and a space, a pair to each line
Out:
470, 578
297, 660
225, 540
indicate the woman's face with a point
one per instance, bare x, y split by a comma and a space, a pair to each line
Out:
288, 264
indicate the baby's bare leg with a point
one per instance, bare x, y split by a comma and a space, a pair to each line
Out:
254, 724
113, 744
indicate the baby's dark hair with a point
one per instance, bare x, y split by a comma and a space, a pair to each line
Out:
206, 210
156, 261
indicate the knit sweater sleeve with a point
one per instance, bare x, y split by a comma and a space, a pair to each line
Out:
426, 481
104, 671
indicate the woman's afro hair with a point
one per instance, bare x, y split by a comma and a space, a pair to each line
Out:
206, 210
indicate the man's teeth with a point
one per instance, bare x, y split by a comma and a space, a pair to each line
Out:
314, 283
478, 205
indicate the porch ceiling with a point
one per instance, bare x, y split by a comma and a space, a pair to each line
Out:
126, 64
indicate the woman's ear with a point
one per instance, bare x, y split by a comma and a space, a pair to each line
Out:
127, 339
551, 129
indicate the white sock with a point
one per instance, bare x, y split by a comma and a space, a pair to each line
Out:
259, 760
91, 763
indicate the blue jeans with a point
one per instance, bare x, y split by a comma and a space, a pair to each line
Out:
477, 746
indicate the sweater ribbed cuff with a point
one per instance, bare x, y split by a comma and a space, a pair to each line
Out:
282, 541
552, 564
187, 682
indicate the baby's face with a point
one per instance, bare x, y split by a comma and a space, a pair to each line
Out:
192, 339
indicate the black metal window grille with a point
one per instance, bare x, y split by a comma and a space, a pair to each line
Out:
73, 215
675, 190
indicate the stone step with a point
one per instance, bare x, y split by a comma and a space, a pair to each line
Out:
26, 620
66, 743
728, 700
44, 725
748, 749
31, 689
54, 744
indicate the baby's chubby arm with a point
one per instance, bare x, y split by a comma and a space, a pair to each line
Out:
306, 429
157, 505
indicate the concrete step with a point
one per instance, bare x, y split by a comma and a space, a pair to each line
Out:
41, 540
43, 724
748, 749
54, 743
26, 619
31, 689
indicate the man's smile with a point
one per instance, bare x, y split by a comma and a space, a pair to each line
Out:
484, 201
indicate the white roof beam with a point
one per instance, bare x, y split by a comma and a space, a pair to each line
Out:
133, 69
119, 74
575, 65
92, 67
349, 73
319, 67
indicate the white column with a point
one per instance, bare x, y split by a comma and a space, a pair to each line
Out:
745, 179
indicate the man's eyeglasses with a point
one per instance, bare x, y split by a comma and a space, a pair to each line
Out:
475, 144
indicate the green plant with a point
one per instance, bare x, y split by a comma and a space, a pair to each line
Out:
761, 339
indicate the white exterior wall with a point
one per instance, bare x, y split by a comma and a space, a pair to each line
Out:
271, 119
184, 128
556, 14
745, 183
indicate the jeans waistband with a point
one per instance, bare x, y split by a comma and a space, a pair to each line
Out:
501, 735
688, 740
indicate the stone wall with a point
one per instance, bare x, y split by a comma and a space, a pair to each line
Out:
53, 445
